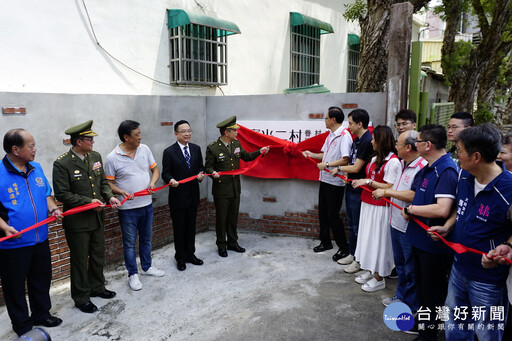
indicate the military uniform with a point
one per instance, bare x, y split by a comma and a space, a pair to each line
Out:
76, 182
226, 189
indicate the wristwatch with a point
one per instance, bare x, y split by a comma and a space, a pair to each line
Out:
327, 164
406, 209
507, 243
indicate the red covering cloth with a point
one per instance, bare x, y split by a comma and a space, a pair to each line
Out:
284, 160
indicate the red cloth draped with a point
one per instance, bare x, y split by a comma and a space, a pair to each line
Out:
284, 159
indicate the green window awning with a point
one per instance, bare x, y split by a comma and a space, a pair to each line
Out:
312, 89
297, 19
353, 39
179, 17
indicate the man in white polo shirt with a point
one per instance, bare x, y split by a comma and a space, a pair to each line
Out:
130, 168
402, 194
335, 152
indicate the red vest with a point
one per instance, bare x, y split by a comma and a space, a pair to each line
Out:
371, 173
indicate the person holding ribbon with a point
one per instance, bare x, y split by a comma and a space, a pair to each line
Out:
79, 179
224, 154
335, 152
402, 194
431, 205
374, 251
481, 220
181, 160
360, 154
129, 168
25, 199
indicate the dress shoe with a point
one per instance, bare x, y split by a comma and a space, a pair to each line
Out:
51, 321
194, 260
322, 248
87, 307
107, 294
236, 248
182, 266
339, 255
223, 252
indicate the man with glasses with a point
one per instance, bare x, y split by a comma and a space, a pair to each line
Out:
402, 194
432, 205
481, 221
405, 120
335, 152
79, 179
224, 154
182, 160
458, 122
130, 168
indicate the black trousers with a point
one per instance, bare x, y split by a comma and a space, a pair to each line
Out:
330, 199
432, 271
184, 229
30, 264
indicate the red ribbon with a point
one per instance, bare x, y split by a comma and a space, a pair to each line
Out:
141, 193
457, 247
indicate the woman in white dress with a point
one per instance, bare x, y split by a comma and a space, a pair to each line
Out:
374, 250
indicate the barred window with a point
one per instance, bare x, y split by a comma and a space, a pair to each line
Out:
198, 48
353, 62
305, 56
305, 49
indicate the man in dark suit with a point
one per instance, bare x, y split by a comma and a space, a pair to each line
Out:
182, 160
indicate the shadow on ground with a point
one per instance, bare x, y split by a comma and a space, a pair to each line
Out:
277, 290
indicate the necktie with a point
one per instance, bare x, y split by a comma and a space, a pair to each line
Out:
187, 156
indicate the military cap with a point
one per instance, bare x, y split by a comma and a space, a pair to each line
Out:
83, 129
228, 123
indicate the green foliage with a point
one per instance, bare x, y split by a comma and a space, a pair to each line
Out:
458, 59
355, 11
483, 113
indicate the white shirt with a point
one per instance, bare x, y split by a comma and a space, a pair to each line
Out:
404, 182
336, 146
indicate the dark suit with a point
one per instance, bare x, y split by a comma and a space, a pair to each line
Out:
184, 199
76, 184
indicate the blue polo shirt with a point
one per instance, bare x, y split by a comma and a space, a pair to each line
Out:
23, 202
482, 223
438, 180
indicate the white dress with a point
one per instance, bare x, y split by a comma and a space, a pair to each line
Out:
374, 250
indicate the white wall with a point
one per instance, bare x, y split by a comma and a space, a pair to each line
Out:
48, 46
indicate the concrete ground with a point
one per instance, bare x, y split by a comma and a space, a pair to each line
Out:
279, 289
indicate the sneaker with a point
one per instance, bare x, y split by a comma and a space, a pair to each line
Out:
374, 285
352, 268
393, 274
346, 261
362, 279
134, 282
152, 271
389, 300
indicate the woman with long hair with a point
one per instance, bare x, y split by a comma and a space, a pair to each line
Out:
374, 250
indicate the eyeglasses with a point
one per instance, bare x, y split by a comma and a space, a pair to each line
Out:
403, 124
189, 131
87, 138
454, 127
400, 144
327, 117
419, 141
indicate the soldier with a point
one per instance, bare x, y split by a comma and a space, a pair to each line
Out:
79, 179
224, 154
